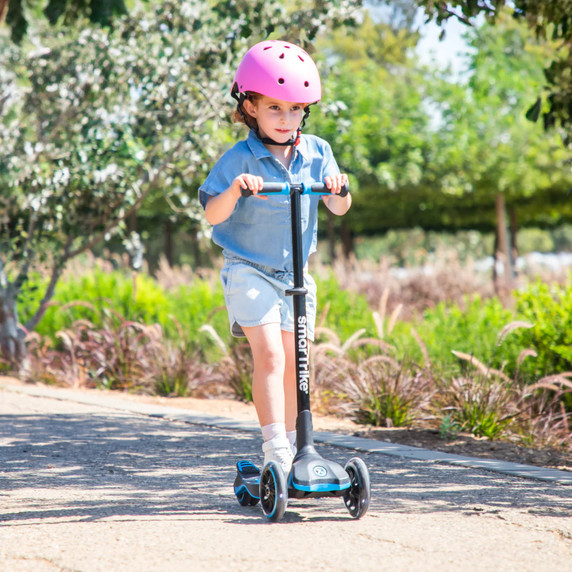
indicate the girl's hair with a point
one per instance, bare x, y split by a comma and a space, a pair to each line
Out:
240, 114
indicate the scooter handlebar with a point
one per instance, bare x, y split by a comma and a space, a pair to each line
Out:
284, 189
269, 188
321, 189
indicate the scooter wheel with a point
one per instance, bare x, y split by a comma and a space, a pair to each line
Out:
357, 497
273, 491
246, 499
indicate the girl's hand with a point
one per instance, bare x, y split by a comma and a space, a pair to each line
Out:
334, 183
336, 204
248, 181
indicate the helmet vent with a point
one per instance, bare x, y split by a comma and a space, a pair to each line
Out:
301, 58
281, 81
281, 56
267, 48
306, 84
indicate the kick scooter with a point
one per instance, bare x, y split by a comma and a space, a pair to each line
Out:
311, 475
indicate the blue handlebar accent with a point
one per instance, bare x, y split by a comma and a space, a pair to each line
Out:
286, 188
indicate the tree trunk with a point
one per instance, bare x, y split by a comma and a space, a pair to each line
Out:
12, 347
3, 10
347, 241
503, 248
513, 235
169, 249
495, 260
331, 236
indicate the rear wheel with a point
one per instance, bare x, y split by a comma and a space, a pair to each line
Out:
246, 499
273, 492
357, 497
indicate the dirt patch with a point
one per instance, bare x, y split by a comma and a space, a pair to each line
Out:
471, 446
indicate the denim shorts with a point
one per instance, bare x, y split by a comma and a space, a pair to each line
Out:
256, 295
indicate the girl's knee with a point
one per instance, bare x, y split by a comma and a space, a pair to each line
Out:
269, 359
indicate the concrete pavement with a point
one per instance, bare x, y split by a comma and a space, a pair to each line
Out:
94, 482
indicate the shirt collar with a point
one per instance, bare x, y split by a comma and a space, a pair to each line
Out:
259, 150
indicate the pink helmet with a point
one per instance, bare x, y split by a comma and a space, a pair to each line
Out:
280, 70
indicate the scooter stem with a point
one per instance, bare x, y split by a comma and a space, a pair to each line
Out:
302, 347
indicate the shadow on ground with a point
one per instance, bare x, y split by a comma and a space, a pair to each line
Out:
98, 466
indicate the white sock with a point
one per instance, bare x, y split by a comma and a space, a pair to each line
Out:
291, 437
273, 430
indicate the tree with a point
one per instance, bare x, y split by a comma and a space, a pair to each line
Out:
69, 12
510, 160
372, 114
549, 20
98, 120
438, 154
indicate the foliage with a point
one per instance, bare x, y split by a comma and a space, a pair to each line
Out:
470, 328
99, 295
544, 418
99, 120
548, 20
373, 98
389, 375
430, 151
342, 310
388, 398
548, 307
448, 428
361, 377
480, 405
66, 11
235, 367
120, 354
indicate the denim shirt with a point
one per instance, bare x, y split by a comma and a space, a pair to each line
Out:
259, 231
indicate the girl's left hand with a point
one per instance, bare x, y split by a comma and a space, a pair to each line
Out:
334, 183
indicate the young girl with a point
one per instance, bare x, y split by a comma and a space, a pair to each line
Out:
274, 86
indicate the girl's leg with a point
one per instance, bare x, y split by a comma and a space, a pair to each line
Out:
291, 399
290, 394
268, 391
267, 383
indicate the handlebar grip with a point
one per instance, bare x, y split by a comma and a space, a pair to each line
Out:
275, 188
280, 188
321, 189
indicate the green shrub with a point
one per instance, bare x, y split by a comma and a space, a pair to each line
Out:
472, 329
194, 305
134, 297
549, 308
345, 312
480, 405
98, 296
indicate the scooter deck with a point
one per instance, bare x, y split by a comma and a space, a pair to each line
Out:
327, 480
247, 480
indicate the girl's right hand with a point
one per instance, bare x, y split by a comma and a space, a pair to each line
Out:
248, 181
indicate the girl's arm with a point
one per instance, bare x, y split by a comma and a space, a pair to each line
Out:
338, 205
219, 208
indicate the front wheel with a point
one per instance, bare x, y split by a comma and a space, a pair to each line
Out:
273, 491
357, 497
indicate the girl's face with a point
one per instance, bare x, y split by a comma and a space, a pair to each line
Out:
276, 119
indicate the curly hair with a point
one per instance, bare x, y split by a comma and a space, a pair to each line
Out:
240, 115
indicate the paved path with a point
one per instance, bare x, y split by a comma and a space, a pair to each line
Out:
89, 484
